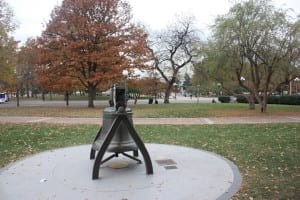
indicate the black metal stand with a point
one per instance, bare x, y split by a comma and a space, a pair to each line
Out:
121, 118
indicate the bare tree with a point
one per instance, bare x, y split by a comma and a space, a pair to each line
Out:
173, 50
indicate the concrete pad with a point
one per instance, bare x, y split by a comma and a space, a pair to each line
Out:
179, 173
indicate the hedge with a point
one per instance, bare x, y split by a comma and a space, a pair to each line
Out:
286, 100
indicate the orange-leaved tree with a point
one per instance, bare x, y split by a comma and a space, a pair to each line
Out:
92, 41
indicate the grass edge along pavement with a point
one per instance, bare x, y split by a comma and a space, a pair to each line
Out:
267, 155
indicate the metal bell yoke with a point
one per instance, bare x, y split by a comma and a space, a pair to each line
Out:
117, 134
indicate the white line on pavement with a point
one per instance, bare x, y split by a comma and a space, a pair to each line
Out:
40, 120
208, 121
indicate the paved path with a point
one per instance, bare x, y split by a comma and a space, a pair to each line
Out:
176, 121
79, 103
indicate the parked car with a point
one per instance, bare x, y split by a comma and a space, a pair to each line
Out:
3, 97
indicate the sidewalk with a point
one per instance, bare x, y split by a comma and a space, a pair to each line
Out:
174, 121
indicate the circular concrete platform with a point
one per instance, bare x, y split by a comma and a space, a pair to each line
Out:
179, 173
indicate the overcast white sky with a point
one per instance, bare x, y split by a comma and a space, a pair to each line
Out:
32, 15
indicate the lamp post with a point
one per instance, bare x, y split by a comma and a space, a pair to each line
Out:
242, 79
219, 89
125, 74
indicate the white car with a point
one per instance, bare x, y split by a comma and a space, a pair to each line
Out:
3, 98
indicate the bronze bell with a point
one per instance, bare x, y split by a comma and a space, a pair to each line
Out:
117, 134
122, 141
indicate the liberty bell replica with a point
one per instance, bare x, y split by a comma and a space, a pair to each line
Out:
117, 134
122, 141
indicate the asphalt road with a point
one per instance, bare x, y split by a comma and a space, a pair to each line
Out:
79, 103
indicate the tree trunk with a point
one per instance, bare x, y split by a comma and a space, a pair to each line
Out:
168, 93
18, 97
169, 89
166, 99
251, 101
67, 98
263, 103
91, 95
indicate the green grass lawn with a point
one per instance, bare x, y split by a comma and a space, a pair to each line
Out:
267, 155
155, 111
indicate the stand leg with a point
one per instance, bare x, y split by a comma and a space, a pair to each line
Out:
92, 153
104, 146
139, 143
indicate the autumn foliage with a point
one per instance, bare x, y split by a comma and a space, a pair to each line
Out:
91, 41
149, 86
